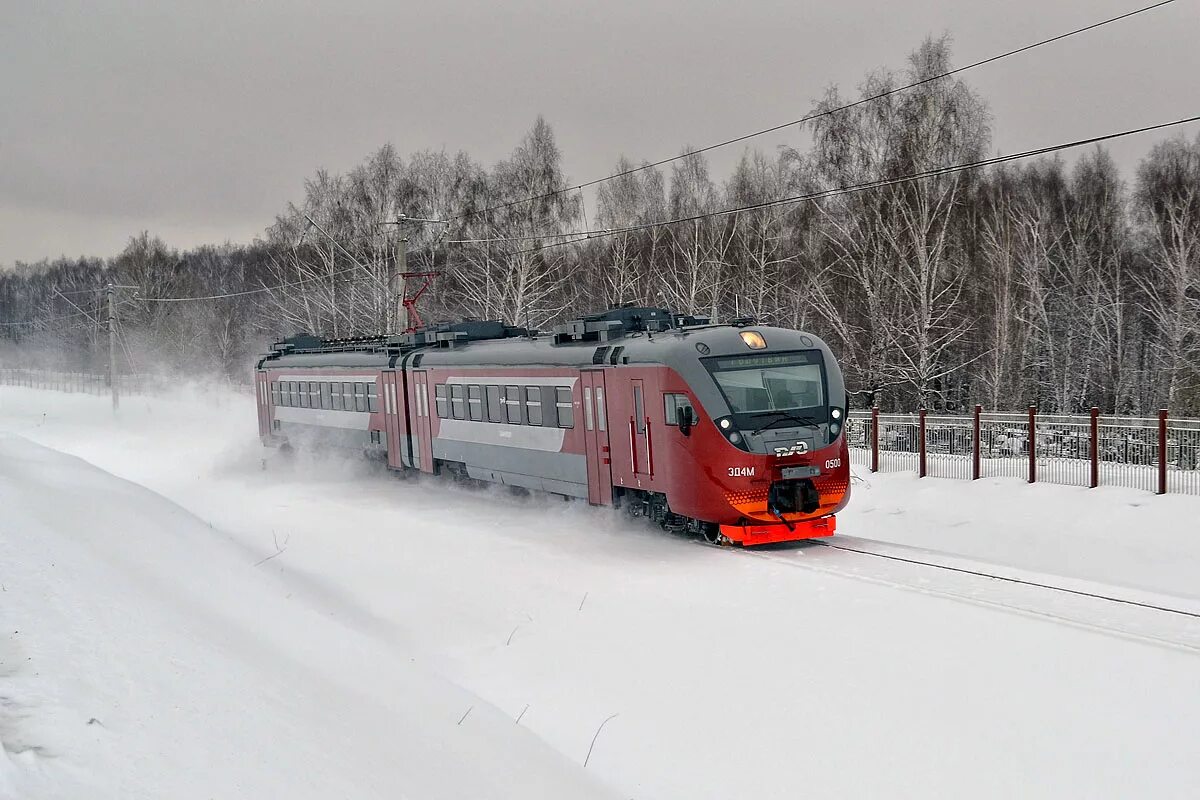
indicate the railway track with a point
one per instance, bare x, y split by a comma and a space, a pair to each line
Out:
1012, 579
1137, 616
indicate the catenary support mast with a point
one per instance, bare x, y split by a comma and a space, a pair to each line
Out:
112, 346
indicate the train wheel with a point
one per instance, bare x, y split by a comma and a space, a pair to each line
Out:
710, 532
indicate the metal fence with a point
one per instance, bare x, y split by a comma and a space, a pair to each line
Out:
1157, 454
78, 382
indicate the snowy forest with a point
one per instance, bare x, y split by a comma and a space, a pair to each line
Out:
1061, 284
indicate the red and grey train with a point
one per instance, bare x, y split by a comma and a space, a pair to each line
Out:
732, 432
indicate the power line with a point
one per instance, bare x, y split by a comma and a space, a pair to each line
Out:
583, 236
45, 320
260, 290
247, 292
96, 290
818, 115
854, 188
531, 238
42, 320
358, 265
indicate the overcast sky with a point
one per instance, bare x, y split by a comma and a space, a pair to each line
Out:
198, 121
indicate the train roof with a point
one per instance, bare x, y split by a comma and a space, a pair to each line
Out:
618, 336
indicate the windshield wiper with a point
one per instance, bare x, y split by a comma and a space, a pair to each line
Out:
785, 416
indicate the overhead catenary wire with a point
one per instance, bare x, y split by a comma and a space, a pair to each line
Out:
583, 236
259, 290
43, 320
358, 265
818, 114
273, 287
591, 234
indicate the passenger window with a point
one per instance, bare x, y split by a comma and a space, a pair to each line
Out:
566, 412
601, 418
495, 408
348, 396
475, 403
512, 404
360, 397
639, 408
303, 394
587, 407
456, 401
336, 396
326, 399
372, 397
533, 405
443, 405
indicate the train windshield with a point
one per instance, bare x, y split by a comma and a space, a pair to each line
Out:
770, 382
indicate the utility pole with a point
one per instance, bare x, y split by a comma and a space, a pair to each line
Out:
404, 303
112, 345
400, 285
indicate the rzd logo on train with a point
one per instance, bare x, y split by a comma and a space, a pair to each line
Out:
798, 449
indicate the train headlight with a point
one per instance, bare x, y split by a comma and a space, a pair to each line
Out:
836, 413
726, 424
833, 429
754, 340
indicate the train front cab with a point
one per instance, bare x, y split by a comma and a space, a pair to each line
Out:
761, 453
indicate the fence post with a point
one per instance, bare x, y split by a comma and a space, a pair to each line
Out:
977, 445
1033, 444
874, 438
1162, 451
1095, 447
921, 437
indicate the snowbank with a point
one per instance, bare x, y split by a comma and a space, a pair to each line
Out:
145, 654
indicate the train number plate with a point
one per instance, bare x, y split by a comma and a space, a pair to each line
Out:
800, 472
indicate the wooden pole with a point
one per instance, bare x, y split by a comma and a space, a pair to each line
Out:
921, 437
1033, 444
978, 445
874, 438
1095, 424
1162, 451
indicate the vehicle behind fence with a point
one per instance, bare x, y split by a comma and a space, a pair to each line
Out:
77, 382
1158, 454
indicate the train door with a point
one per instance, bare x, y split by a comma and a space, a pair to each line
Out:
264, 405
391, 418
595, 423
422, 424
639, 437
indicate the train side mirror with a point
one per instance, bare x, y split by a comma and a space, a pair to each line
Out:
685, 418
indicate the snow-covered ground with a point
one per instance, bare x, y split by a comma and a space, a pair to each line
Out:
320, 630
